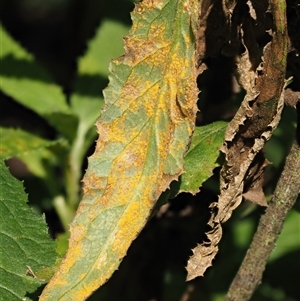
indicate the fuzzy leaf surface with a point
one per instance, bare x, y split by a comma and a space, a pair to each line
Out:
24, 241
144, 131
201, 158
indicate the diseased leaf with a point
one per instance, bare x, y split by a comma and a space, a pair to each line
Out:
30, 85
250, 128
25, 245
144, 131
200, 160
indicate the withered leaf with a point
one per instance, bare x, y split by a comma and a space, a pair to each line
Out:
250, 128
253, 187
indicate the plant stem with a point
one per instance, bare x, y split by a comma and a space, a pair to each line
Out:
64, 212
250, 273
74, 167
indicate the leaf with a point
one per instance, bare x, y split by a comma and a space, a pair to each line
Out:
37, 153
251, 127
253, 190
16, 142
25, 244
30, 85
200, 160
106, 44
144, 132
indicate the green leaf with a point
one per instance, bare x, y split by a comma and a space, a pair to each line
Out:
30, 85
144, 131
43, 162
25, 244
16, 142
106, 45
202, 155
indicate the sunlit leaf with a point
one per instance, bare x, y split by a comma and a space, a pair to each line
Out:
106, 45
144, 132
202, 155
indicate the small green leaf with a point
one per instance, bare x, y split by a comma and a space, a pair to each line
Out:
25, 245
16, 142
30, 85
202, 155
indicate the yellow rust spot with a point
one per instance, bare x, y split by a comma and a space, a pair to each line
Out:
78, 232
128, 228
157, 33
144, 5
73, 255
129, 161
93, 182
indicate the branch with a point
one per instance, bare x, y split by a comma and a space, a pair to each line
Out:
271, 223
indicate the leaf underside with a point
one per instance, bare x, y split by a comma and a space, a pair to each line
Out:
144, 131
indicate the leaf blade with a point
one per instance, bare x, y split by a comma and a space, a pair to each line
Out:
16, 142
24, 240
201, 158
144, 131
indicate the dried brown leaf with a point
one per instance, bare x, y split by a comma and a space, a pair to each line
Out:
247, 133
253, 190
203, 259
291, 98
